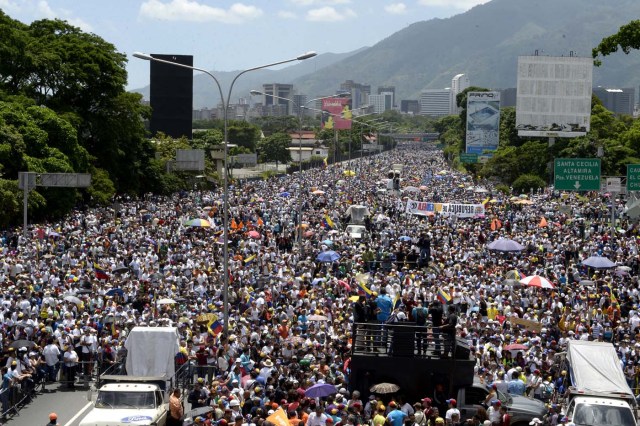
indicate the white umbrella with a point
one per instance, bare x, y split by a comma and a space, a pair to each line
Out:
166, 302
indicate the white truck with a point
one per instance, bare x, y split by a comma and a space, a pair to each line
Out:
598, 392
140, 396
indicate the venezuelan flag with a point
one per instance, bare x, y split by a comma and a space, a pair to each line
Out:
324, 160
249, 259
328, 223
443, 296
214, 327
361, 280
101, 274
486, 200
396, 301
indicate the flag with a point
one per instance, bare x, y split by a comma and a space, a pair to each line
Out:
279, 418
443, 296
614, 299
101, 274
214, 327
396, 301
324, 160
362, 279
328, 223
543, 222
249, 259
486, 200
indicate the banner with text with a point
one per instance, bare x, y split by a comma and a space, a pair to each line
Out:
336, 113
422, 208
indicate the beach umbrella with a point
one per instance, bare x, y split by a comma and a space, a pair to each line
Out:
384, 388
117, 291
166, 302
598, 262
320, 390
327, 256
72, 299
537, 281
515, 347
514, 274
198, 223
505, 245
317, 318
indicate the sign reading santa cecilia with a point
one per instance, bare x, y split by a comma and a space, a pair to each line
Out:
577, 174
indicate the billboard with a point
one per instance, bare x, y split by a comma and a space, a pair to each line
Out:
336, 113
554, 96
483, 122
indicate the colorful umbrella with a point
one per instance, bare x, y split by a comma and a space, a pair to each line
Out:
198, 223
254, 234
515, 347
537, 281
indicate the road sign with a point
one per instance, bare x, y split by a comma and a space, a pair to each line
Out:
614, 185
633, 177
577, 174
468, 158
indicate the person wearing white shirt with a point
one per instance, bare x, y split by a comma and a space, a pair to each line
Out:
51, 354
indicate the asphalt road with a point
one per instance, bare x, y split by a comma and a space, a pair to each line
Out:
70, 405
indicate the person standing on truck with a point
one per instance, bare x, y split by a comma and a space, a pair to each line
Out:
436, 313
420, 313
176, 410
449, 330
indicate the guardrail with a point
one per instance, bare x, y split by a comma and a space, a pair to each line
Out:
403, 340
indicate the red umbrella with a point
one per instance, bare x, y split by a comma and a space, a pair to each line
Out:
344, 284
254, 234
515, 347
537, 281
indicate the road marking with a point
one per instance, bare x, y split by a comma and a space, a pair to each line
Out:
78, 414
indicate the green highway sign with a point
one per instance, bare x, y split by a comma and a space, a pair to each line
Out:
633, 177
468, 158
577, 174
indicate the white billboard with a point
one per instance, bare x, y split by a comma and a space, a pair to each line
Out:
483, 122
554, 96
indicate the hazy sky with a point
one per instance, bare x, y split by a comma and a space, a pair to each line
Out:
231, 35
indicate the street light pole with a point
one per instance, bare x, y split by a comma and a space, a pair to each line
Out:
225, 114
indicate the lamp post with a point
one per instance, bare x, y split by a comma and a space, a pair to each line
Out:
225, 107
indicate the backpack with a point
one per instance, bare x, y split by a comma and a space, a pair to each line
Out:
421, 316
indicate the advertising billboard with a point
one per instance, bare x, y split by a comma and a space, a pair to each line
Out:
336, 113
554, 96
483, 122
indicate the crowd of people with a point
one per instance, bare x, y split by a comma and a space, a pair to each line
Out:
72, 290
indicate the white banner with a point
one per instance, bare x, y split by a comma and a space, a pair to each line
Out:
422, 208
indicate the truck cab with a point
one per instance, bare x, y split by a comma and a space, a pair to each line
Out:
597, 410
128, 404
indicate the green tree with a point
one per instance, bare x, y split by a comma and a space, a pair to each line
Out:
244, 134
275, 148
626, 39
527, 182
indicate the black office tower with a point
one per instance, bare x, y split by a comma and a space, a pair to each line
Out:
171, 96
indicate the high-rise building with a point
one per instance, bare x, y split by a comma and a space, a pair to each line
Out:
382, 102
171, 96
359, 92
299, 101
458, 84
390, 89
281, 90
618, 101
410, 106
435, 102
